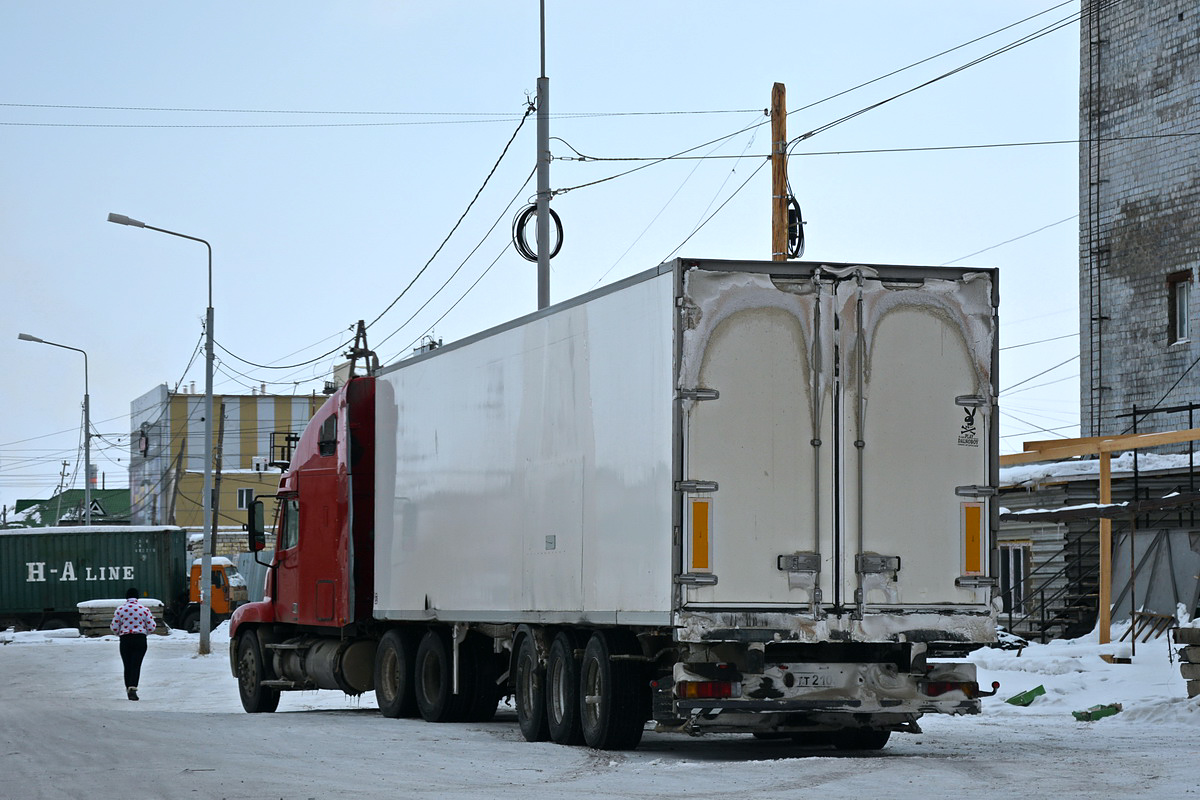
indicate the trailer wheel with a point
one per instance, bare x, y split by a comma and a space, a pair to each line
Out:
861, 739
562, 692
477, 679
256, 698
434, 679
530, 690
394, 660
609, 707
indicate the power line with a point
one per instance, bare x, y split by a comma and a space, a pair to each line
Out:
348, 113
529, 110
1026, 39
1040, 374
463, 263
1039, 341
1010, 241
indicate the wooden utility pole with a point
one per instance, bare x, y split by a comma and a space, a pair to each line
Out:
779, 192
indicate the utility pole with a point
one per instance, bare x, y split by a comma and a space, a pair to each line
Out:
543, 174
216, 496
62, 482
779, 192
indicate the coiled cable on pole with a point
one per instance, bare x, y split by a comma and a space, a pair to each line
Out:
521, 220
795, 228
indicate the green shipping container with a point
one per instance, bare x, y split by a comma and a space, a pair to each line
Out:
46, 572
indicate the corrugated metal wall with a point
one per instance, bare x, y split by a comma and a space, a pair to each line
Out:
57, 568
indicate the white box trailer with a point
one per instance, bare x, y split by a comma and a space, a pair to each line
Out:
777, 476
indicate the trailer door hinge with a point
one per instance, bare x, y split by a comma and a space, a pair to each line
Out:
969, 400
696, 486
698, 394
976, 491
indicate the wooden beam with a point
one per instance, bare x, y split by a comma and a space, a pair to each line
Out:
1073, 448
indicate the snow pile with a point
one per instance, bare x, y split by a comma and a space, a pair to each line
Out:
1150, 689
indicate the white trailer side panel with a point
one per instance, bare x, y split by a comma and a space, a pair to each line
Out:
525, 474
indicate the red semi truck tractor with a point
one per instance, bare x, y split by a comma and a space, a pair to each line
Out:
720, 496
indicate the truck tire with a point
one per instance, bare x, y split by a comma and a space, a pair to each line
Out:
610, 708
434, 679
478, 670
394, 660
860, 739
191, 620
562, 692
256, 698
529, 688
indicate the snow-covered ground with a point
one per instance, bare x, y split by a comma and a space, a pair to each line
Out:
69, 732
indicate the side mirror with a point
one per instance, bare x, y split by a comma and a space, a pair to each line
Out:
254, 526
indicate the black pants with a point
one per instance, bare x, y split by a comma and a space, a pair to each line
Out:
133, 650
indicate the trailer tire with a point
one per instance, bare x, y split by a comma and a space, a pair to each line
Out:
394, 674
562, 692
529, 688
610, 710
434, 679
861, 739
256, 698
477, 678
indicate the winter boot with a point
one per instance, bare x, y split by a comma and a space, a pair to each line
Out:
132, 692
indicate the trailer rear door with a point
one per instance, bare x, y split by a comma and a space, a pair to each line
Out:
835, 436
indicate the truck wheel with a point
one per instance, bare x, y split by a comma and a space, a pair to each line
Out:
860, 739
609, 709
477, 678
256, 698
562, 692
434, 679
529, 688
191, 620
394, 674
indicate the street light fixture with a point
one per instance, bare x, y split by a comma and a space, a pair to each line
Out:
87, 426
209, 520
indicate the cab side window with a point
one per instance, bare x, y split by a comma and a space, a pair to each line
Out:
327, 441
289, 530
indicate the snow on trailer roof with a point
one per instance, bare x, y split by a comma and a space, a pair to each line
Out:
92, 529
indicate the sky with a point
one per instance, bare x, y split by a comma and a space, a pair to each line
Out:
326, 151
1145, 750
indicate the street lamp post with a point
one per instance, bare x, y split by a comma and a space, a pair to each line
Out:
209, 520
87, 426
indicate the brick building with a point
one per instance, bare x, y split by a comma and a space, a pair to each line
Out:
1139, 204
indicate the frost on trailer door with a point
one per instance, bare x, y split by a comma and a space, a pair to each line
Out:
838, 448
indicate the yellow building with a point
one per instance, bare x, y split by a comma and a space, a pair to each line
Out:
166, 466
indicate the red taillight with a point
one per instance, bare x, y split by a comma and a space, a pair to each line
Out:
706, 690
936, 688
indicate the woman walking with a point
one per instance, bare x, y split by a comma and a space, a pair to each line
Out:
132, 622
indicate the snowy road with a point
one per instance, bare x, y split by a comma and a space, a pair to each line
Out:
69, 732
